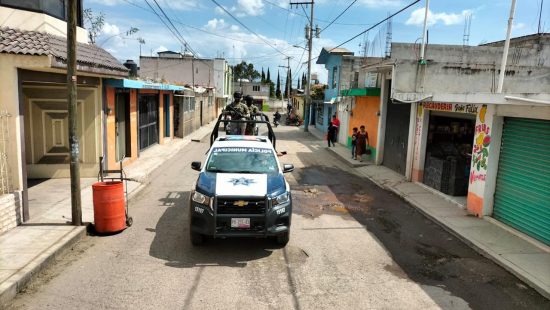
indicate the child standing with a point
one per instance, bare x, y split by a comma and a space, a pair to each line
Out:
362, 143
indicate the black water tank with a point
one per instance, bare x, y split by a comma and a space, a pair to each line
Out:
132, 66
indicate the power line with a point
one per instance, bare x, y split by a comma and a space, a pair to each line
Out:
336, 18
246, 27
316, 19
375, 25
187, 46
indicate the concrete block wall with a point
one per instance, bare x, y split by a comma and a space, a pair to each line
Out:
10, 212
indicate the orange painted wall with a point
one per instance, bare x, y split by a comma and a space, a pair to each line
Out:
474, 204
133, 124
111, 133
161, 118
365, 112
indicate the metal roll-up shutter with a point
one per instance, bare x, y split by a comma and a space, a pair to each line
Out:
522, 195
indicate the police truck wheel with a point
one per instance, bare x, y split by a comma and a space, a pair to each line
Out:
283, 238
196, 238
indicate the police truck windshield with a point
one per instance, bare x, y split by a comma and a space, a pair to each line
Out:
242, 160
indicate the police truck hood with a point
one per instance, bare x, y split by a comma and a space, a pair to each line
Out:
237, 184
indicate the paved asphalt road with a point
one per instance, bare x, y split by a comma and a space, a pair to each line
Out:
353, 246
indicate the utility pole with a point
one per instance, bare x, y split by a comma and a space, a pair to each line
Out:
309, 37
289, 86
76, 207
506, 47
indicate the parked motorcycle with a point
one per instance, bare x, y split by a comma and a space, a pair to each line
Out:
293, 119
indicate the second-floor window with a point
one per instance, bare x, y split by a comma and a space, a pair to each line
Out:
256, 88
334, 77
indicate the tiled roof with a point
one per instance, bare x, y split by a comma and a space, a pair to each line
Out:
91, 57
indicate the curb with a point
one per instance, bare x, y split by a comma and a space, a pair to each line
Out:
347, 162
495, 257
12, 286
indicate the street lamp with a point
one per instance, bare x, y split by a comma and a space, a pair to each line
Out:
298, 46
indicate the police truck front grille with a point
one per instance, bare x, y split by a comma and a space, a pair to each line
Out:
240, 206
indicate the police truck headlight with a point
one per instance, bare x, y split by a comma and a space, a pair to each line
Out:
283, 198
200, 198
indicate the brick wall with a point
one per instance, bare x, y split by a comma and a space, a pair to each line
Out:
10, 212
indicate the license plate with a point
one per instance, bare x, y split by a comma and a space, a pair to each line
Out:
240, 223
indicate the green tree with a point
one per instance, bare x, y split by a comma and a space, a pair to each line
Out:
278, 88
298, 87
94, 23
245, 71
271, 85
263, 75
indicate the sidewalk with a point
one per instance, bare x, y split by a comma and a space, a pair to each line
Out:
32, 246
527, 260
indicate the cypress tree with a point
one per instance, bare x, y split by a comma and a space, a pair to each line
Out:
278, 87
263, 75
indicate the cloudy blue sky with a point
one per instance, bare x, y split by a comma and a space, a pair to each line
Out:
211, 32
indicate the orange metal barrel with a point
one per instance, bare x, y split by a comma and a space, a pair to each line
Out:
109, 207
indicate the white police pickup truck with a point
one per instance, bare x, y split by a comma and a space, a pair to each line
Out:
241, 190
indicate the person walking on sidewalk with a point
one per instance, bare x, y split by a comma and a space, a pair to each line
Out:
336, 122
353, 142
331, 134
362, 143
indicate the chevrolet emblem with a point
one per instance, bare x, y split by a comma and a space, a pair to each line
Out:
240, 203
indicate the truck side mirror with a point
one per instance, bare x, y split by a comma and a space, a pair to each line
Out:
196, 165
288, 168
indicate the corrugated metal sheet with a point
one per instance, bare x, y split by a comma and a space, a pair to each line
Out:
522, 196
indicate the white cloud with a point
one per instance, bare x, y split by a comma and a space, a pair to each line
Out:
215, 24
518, 26
107, 2
161, 48
417, 17
243, 8
110, 29
250, 7
234, 28
181, 5
380, 3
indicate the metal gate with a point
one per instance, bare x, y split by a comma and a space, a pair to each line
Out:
522, 194
148, 120
397, 136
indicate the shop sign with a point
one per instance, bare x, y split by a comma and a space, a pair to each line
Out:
451, 107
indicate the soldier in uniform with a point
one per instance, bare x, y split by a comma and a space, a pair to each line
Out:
238, 111
253, 109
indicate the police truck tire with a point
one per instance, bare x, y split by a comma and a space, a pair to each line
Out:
196, 238
283, 238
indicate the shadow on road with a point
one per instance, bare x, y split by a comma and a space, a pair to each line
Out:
422, 251
171, 242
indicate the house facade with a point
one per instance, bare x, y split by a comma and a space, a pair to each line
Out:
138, 115
258, 90
443, 124
34, 102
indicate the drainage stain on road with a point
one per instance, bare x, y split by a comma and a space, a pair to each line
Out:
422, 251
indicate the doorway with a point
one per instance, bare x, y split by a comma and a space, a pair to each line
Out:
122, 125
397, 136
448, 152
148, 120
167, 116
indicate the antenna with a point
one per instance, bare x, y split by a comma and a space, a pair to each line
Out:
388, 36
467, 27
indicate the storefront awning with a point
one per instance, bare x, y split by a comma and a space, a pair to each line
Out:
127, 83
333, 100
